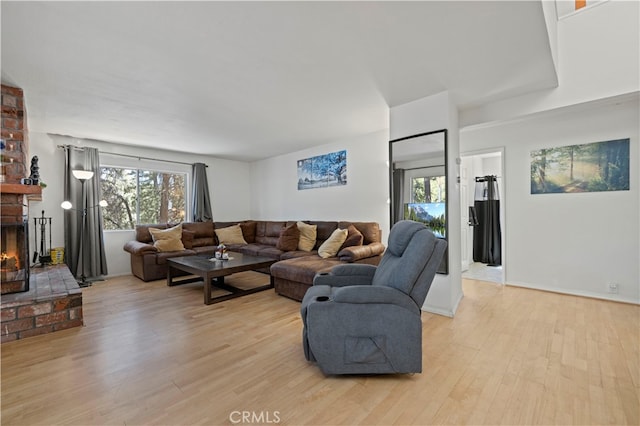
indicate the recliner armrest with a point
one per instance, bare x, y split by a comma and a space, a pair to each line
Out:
139, 248
346, 275
374, 295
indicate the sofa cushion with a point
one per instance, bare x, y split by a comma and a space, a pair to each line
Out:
271, 252
230, 235
201, 229
252, 249
370, 230
142, 232
161, 258
302, 269
354, 237
204, 233
249, 231
289, 237
297, 253
331, 246
203, 242
187, 238
268, 232
308, 234
167, 239
206, 250
324, 231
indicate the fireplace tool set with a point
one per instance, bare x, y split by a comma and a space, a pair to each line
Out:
42, 257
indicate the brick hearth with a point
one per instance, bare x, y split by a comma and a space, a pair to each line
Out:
53, 302
54, 299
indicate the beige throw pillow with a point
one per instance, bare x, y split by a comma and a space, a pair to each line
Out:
167, 239
169, 245
331, 246
308, 235
230, 235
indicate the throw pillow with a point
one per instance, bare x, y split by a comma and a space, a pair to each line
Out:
308, 234
289, 238
331, 246
230, 235
167, 239
187, 238
354, 237
169, 245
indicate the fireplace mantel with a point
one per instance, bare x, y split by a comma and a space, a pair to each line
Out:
18, 188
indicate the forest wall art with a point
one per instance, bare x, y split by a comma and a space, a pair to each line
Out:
323, 170
598, 166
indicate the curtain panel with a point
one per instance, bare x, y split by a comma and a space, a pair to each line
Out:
201, 208
87, 247
397, 209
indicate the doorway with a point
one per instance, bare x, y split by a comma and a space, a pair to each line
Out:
481, 164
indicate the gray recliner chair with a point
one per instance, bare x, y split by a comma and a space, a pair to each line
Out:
363, 319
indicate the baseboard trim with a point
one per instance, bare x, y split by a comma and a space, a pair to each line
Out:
444, 312
589, 294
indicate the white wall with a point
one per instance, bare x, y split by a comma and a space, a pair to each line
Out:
229, 184
573, 243
424, 115
275, 194
598, 57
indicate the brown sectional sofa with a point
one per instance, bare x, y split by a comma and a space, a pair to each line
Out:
294, 272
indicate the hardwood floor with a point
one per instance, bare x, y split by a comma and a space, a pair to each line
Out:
150, 354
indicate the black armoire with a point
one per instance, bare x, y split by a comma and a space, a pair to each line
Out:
486, 235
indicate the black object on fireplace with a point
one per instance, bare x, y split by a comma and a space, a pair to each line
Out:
14, 255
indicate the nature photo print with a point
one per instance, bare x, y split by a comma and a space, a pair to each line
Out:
591, 167
323, 170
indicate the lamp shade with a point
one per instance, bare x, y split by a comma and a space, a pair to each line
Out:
82, 174
66, 205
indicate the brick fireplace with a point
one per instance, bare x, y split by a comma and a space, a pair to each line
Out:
14, 255
51, 299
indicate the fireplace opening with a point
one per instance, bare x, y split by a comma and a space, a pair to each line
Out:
14, 255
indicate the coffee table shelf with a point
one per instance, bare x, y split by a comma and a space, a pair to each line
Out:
212, 272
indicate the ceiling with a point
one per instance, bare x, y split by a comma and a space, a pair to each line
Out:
252, 80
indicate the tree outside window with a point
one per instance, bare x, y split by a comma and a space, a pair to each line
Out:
428, 189
137, 196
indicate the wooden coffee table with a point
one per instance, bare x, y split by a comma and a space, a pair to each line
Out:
212, 273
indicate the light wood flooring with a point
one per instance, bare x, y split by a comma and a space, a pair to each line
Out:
150, 354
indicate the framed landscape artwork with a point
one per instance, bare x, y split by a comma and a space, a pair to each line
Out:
598, 166
323, 170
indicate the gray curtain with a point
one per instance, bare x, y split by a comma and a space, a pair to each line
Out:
398, 195
201, 207
92, 245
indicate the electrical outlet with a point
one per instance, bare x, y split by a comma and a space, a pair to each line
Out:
613, 288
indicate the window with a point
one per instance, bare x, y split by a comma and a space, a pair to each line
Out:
428, 189
137, 196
